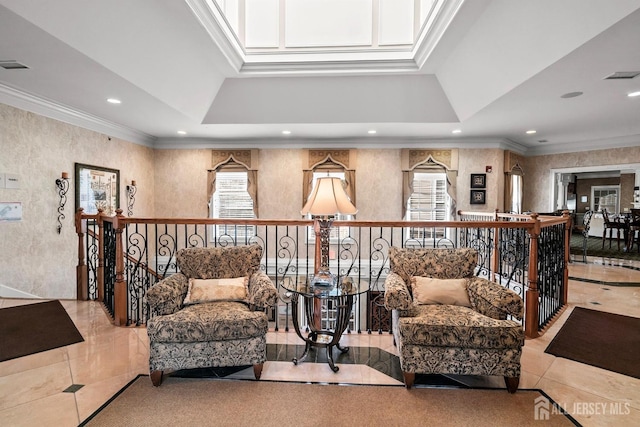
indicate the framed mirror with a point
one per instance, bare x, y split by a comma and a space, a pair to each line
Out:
97, 187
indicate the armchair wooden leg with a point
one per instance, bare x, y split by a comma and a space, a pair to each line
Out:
257, 370
156, 378
512, 383
409, 378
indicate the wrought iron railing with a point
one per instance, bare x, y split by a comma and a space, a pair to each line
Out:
120, 258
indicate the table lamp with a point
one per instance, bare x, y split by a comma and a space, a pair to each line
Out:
327, 200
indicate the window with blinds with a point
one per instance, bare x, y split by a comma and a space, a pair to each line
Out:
232, 200
428, 202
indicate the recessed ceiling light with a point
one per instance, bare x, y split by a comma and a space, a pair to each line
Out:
286, 132
571, 95
182, 132
114, 101
632, 94
531, 132
456, 131
372, 131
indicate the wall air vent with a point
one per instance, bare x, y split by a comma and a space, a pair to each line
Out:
12, 65
622, 75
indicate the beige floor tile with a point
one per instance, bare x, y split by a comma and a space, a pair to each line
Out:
590, 409
32, 361
596, 381
33, 384
57, 410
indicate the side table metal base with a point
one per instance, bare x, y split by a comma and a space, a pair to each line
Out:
321, 339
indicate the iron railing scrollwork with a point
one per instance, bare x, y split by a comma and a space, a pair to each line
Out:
149, 247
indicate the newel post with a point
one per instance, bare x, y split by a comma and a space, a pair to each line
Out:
532, 296
120, 289
82, 285
567, 251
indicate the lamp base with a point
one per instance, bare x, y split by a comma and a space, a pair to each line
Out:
323, 280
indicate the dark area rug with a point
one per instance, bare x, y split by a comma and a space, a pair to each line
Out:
33, 328
597, 338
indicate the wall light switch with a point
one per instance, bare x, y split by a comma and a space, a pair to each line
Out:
11, 180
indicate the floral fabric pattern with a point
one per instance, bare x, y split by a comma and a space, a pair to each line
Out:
219, 263
167, 296
220, 333
396, 295
457, 326
213, 321
493, 300
436, 263
190, 355
448, 339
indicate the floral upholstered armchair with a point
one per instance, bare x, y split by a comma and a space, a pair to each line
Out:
211, 313
447, 321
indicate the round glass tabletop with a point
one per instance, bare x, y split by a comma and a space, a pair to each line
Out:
345, 286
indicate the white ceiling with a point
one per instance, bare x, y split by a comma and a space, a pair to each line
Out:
498, 70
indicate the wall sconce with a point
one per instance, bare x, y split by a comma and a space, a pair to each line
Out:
131, 199
63, 186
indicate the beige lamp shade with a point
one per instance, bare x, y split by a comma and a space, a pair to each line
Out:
328, 198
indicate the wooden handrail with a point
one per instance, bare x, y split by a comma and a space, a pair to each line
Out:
533, 224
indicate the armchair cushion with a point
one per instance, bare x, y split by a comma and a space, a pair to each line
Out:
166, 296
493, 300
455, 326
262, 291
396, 293
214, 321
209, 290
427, 290
218, 263
437, 263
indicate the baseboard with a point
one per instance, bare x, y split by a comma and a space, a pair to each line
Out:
7, 292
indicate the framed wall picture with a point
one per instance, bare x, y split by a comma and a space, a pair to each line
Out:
478, 197
478, 180
97, 187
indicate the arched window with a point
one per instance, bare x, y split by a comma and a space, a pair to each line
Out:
233, 194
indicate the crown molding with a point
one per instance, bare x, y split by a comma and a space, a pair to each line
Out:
579, 146
360, 142
44, 107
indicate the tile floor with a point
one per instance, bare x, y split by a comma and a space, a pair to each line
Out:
32, 388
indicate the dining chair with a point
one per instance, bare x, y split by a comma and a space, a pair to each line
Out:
610, 225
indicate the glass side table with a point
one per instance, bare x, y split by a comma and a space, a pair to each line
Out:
341, 297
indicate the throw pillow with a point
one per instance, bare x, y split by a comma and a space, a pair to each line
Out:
427, 290
209, 290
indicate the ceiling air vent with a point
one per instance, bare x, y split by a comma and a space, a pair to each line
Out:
622, 75
12, 65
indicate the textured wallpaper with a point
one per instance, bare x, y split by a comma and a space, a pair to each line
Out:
538, 179
34, 258
172, 183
